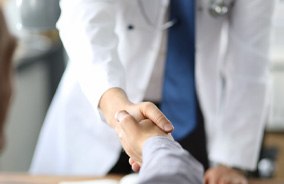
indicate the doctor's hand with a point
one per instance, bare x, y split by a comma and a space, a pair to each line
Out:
224, 175
7, 47
133, 135
115, 99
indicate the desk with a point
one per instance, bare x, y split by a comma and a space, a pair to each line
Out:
21, 178
276, 139
9, 178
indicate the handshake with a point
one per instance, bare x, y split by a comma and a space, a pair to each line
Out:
142, 127
134, 134
153, 152
163, 159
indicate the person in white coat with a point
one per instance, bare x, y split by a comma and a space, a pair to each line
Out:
115, 48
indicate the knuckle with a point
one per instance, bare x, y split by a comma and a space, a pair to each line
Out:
147, 105
125, 119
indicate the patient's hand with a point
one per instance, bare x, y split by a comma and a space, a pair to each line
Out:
224, 174
133, 135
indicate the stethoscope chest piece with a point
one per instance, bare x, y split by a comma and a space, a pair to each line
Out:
218, 8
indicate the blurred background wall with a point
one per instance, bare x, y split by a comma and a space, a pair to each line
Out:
39, 63
276, 116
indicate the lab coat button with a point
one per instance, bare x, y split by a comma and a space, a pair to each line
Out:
130, 27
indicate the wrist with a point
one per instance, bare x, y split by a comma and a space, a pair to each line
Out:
240, 171
112, 101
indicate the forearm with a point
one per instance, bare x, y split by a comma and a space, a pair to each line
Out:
165, 161
87, 30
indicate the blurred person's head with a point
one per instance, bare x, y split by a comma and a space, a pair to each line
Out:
7, 48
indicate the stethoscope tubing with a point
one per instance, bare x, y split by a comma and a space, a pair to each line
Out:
217, 8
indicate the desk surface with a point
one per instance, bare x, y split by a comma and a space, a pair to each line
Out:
9, 178
17, 178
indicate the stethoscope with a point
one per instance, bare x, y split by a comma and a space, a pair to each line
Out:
216, 8
219, 8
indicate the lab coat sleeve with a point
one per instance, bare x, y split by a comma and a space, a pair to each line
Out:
87, 30
165, 161
246, 90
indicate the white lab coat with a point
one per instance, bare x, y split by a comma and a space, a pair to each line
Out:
232, 90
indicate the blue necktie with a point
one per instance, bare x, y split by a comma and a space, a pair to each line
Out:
179, 96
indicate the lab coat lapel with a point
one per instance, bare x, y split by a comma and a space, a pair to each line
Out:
152, 10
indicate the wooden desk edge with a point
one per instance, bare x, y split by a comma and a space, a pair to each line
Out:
45, 179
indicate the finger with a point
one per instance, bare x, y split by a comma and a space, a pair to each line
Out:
131, 161
232, 179
210, 180
224, 180
210, 177
152, 112
206, 180
135, 167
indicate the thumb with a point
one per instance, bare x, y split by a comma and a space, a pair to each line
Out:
127, 122
153, 113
